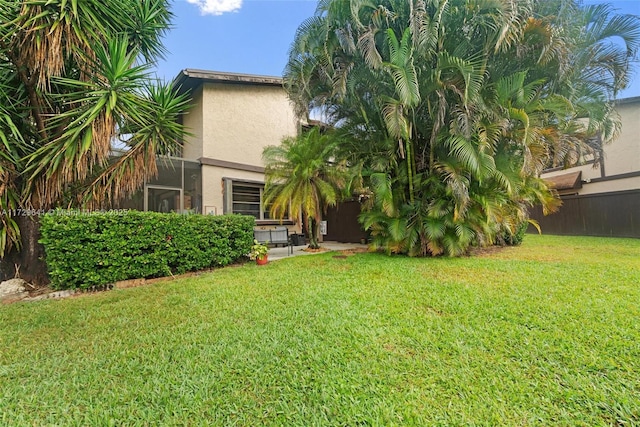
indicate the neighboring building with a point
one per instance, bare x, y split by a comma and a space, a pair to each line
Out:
603, 200
233, 118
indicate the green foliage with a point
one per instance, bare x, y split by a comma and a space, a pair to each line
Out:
302, 177
75, 76
515, 237
454, 108
258, 250
85, 250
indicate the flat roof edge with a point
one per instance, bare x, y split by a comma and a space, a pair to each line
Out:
630, 100
225, 77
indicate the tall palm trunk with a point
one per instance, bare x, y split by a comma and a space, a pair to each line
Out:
410, 169
314, 231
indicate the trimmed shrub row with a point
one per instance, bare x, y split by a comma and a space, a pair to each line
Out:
85, 250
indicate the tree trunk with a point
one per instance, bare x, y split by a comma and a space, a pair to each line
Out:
28, 263
313, 233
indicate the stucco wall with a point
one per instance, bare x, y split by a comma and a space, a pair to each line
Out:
192, 148
230, 124
212, 190
623, 155
240, 120
632, 183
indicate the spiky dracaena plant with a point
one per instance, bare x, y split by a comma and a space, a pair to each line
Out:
77, 78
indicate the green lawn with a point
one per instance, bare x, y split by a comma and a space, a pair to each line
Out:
543, 334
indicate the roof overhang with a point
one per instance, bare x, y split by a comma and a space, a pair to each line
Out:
565, 182
631, 100
189, 79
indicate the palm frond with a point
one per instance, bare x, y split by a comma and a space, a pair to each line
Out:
402, 68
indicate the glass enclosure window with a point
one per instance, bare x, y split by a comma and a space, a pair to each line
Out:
192, 187
163, 200
135, 202
176, 178
169, 173
177, 188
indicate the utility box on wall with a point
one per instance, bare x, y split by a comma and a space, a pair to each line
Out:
323, 228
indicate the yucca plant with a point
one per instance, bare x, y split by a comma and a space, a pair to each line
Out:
76, 78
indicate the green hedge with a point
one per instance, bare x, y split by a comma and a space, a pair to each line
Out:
92, 249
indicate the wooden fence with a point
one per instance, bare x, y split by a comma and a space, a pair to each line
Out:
615, 214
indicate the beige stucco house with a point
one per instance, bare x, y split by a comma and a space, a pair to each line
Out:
232, 118
603, 200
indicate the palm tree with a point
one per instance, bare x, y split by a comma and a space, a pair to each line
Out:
303, 178
453, 107
77, 75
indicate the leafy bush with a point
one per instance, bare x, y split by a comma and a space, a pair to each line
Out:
515, 238
85, 250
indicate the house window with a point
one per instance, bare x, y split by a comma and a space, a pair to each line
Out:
247, 199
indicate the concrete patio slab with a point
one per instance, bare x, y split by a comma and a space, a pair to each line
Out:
283, 253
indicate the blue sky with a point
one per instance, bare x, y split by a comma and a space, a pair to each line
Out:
250, 36
253, 36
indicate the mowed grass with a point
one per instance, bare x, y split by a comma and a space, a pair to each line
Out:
543, 334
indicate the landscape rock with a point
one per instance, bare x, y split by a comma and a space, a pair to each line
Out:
53, 295
13, 290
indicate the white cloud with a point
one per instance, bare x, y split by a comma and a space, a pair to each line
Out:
217, 7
